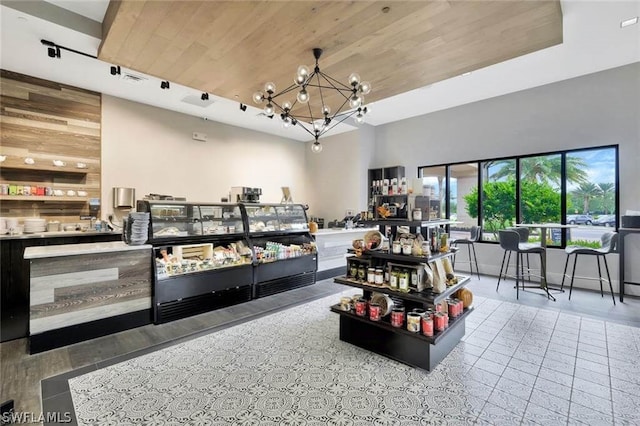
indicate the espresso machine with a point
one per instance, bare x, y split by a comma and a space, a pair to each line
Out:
243, 194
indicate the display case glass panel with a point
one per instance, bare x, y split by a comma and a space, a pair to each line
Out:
292, 217
262, 218
192, 258
221, 219
171, 220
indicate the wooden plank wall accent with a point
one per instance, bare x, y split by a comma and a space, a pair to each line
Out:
49, 121
71, 290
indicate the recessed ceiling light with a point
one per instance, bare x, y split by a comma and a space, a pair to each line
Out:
628, 22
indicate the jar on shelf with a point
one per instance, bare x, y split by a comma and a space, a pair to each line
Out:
353, 270
371, 275
403, 280
362, 273
396, 247
379, 277
393, 278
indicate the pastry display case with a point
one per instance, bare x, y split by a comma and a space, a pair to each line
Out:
285, 252
202, 257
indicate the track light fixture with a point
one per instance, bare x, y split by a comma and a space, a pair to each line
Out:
205, 96
54, 50
164, 84
243, 107
320, 118
115, 70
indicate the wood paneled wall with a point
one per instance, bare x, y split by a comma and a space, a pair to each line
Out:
49, 121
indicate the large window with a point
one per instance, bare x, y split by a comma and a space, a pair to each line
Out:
591, 194
434, 186
463, 179
576, 187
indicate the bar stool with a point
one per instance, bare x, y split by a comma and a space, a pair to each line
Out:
510, 242
476, 231
524, 242
609, 241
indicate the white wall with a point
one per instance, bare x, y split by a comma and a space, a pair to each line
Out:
152, 150
593, 110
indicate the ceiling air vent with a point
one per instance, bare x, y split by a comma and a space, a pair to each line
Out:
133, 78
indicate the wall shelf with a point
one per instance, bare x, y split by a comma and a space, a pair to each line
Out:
46, 198
43, 168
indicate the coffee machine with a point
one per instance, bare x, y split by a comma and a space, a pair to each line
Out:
243, 194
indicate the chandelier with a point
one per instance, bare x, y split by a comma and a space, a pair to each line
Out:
320, 121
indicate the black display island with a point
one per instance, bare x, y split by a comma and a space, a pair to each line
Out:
211, 255
398, 342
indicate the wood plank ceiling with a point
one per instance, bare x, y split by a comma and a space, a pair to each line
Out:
231, 48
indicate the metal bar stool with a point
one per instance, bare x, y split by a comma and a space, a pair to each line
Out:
609, 241
510, 242
469, 242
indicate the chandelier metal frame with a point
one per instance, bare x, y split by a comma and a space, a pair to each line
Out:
319, 124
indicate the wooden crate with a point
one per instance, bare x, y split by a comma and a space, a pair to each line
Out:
194, 251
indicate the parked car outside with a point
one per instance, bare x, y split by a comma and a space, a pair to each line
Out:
605, 220
579, 219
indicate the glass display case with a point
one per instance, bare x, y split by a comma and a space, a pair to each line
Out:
171, 219
202, 257
276, 218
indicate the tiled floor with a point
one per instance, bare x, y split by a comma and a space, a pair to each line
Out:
550, 367
518, 364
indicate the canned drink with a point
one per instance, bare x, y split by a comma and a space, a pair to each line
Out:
446, 320
397, 317
413, 322
48, 191
361, 307
374, 312
460, 306
427, 325
4, 189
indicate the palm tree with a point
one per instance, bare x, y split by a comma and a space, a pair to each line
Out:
607, 191
587, 191
544, 169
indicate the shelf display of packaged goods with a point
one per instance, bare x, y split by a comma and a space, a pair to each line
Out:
47, 198
386, 325
196, 258
426, 296
380, 254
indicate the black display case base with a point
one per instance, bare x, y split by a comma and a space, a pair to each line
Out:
189, 306
408, 349
283, 284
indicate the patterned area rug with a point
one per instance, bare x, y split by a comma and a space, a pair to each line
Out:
290, 368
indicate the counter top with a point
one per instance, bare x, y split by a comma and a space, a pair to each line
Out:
77, 249
333, 231
58, 234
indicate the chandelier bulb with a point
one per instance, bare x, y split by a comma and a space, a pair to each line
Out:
258, 97
359, 118
286, 106
270, 87
303, 96
354, 101
286, 122
303, 71
365, 87
316, 147
326, 110
268, 110
354, 79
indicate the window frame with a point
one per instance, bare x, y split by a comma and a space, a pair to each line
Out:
563, 182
